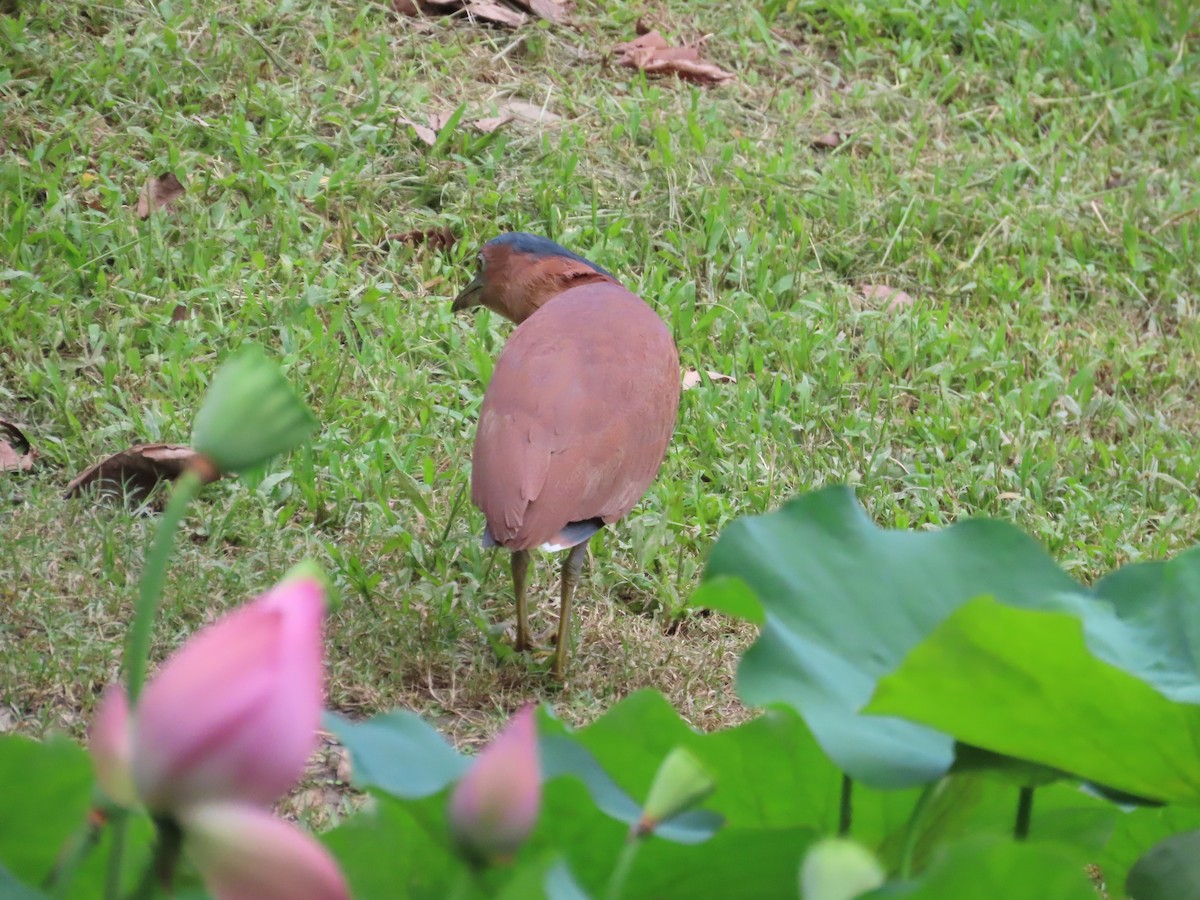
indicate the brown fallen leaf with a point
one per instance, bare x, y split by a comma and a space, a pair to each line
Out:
487, 126
433, 238
828, 141
878, 293
133, 473
16, 453
691, 378
653, 55
528, 112
551, 10
512, 13
160, 192
496, 13
428, 132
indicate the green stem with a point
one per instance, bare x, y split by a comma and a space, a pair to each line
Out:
620, 873
161, 868
1024, 814
137, 649
462, 884
154, 575
112, 880
914, 831
81, 844
845, 810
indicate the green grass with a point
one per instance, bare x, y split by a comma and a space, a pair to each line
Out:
1026, 170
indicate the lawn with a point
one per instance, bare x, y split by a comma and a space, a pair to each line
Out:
1025, 172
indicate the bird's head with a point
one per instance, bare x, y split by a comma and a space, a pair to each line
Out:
519, 272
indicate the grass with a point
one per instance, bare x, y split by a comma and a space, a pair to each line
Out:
1026, 171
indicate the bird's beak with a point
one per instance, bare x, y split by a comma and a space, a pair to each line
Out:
468, 296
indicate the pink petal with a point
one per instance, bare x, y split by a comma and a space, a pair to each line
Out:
109, 745
232, 715
245, 853
495, 806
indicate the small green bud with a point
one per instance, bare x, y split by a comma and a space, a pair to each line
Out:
680, 784
838, 869
250, 414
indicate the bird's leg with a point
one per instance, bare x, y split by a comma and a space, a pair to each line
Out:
520, 569
570, 578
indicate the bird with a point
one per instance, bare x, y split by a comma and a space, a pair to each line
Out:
577, 417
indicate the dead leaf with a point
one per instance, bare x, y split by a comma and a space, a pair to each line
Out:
828, 141
16, 453
551, 10
133, 473
528, 112
896, 299
428, 132
424, 132
160, 192
691, 378
487, 126
433, 238
496, 13
513, 13
653, 55
411, 7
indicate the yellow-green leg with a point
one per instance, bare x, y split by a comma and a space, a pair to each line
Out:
520, 569
572, 566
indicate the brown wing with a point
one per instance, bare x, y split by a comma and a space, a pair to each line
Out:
576, 420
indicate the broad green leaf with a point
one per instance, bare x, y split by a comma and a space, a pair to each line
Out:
991, 867
979, 804
12, 889
1168, 871
560, 884
737, 862
396, 850
562, 756
1023, 683
731, 596
1153, 630
846, 601
1138, 830
838, 869
92, 876
45, 800
398, 752
769, 772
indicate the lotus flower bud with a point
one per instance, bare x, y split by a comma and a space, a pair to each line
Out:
250, 414
245, 853
680, 784
495, 806
231, 715
109, 743
838, 869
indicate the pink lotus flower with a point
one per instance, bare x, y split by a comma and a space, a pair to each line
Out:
494, 807
231, 715
245, 853
221, 731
